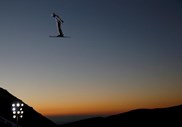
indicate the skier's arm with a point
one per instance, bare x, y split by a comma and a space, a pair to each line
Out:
60, 19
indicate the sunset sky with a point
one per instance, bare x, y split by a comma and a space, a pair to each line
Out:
119, 55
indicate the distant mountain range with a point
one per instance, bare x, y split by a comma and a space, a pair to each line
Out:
31, 118
160, 117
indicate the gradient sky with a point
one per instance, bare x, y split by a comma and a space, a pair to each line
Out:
121, 54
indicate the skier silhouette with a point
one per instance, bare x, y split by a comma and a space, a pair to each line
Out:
59, 22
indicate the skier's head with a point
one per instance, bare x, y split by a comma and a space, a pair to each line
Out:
53, 14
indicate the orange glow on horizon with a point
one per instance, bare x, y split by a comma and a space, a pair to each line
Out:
79, 111
104, 110
102, 103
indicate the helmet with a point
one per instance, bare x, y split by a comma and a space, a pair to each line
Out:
53, 14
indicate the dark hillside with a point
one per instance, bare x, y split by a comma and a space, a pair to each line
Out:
171, 116
31, 118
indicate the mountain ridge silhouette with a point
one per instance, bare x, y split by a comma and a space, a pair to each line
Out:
170, 116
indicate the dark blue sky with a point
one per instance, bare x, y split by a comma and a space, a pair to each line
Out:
121, 54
